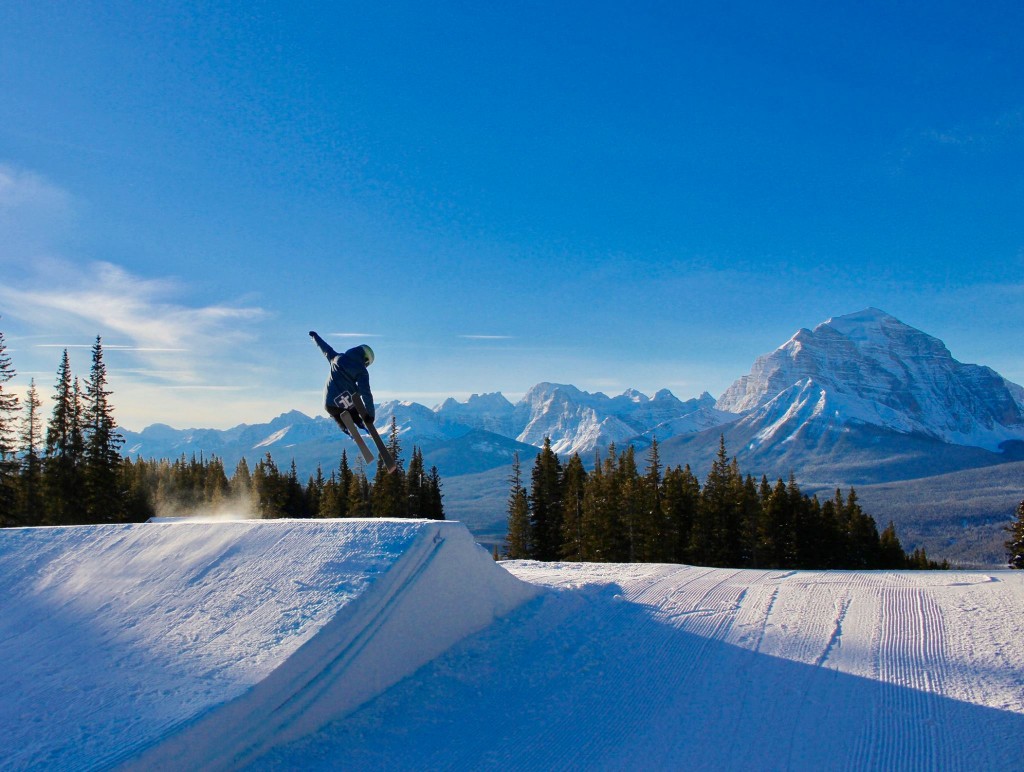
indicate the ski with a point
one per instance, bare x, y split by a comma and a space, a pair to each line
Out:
385, 455
353, 431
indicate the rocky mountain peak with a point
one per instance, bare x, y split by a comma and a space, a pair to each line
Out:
872, 368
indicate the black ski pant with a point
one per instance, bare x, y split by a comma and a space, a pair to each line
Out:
335, 412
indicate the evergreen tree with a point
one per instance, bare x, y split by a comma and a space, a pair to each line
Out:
681, 500
102, 457
734, 549
717, 531
650, 543
62, 482
8, 402
603, 537
833, 536
269, 489
31, 487
891, 551
435, 496
216, 488
314, 493
8, 460
1015, 544
416, 486
574, 482
358, 495
240, 487
388, 495
546, 504
138, 486
329, 503
627, 489
294, 504
520, 538
345, 477
776, 542
862, 535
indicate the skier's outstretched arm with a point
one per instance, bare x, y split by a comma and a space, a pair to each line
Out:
329, 352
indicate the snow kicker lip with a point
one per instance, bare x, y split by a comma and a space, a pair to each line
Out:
371, 644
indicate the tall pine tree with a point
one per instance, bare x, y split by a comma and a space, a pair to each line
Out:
520, 537
8, 460
434, 507
546, 504
31, 489
574, 482
102, 460
681, 500
416, 486
388, 497
62, 472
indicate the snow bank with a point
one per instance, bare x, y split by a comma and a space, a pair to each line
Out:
194, 644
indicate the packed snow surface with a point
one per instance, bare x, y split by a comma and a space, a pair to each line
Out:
402, 645
628, 667
197, 644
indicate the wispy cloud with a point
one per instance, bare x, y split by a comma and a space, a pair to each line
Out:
104, 298
57, 298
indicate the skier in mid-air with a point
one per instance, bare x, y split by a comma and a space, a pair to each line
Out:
348, 376
348, 400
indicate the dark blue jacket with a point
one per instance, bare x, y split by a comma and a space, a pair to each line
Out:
348, 375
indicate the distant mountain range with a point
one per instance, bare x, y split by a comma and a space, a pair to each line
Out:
862, 399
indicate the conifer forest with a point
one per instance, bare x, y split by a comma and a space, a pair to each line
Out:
621, 514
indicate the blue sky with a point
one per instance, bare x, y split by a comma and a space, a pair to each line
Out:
614, 195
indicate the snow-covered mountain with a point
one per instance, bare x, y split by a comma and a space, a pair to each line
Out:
481, 433
490, 412
870, 368
580, 422
854, 377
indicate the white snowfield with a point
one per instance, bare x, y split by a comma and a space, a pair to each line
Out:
402, 645
199, 645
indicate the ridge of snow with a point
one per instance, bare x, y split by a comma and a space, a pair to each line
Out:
179, 644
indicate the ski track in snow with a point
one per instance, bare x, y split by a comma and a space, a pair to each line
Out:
655, 667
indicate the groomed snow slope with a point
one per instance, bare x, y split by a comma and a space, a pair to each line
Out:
671, 667
199, 645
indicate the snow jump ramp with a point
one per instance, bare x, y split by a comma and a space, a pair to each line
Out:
223, 640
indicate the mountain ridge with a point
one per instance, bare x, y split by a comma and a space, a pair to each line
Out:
861, 399
866, 368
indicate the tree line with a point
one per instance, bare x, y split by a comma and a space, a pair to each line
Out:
617, 512
74, 473
190, 485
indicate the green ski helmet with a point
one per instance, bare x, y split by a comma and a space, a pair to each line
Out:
367, 355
